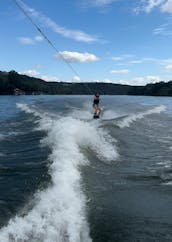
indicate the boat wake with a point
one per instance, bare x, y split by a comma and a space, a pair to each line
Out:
59, 213
129, 119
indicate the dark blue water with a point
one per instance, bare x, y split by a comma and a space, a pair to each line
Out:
67, 177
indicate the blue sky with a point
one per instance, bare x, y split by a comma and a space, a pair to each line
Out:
118, 41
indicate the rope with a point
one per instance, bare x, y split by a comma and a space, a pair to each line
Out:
50, 42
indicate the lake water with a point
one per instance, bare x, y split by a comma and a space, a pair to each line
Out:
65, 177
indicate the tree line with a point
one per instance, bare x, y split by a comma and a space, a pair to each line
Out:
10, 81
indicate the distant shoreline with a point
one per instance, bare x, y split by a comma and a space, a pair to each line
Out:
13, 83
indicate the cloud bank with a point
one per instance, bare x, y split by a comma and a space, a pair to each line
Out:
35, 73
141, 81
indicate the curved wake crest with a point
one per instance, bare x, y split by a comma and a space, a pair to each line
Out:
133, 117
59, 213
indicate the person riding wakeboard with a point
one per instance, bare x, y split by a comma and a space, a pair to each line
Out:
96, 106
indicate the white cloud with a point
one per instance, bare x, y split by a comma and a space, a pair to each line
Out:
35, 73
76, 79
103, 81
153, 79
77, 35
141, 81
122, 57
102, 2
30, 41
149, 59
168, 67
167, 6
135, 61
132, 59
164, 29
77, 57
39, 38
129, 61
137, 81
122, 71
26, 40
149, 5
49, 78
117, 58
72, 34
30, 72
167, 61
95, 3
159, 30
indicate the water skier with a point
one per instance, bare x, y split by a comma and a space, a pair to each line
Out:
96, 106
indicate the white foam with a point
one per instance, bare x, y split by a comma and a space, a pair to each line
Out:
2, 137
84, 113
110, 114
27, 109
9, 134
169, 183
165, 162
59, 213
133, 117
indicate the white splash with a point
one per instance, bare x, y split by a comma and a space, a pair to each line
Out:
59, 213
133, 117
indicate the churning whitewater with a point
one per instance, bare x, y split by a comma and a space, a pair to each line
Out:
96, 168
59, 213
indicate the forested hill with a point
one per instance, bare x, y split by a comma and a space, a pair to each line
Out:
13, 83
